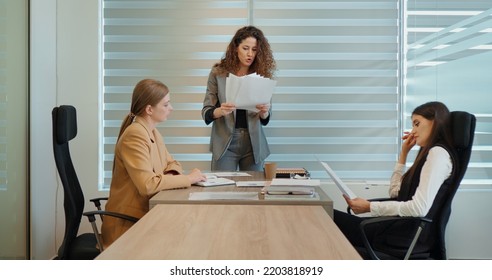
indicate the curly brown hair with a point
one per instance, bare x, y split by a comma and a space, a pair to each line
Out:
264, 63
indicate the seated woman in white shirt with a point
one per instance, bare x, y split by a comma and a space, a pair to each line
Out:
415, 190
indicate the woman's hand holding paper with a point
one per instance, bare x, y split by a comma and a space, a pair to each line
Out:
224, 110
264, 110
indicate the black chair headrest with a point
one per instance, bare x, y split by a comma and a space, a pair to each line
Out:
462, 128
66, 119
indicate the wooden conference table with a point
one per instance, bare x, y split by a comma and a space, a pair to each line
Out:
181, 196
232, 232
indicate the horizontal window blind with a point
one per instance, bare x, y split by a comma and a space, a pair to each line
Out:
449, 56
337, 94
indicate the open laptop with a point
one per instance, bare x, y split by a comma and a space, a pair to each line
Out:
340, 184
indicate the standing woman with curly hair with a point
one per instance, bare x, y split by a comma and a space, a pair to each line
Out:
237, 141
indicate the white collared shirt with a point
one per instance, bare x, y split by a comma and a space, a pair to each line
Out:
437, 168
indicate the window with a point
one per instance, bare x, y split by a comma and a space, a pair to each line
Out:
337, 97
449, 56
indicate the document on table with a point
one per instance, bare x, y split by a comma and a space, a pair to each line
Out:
295, 182
289, 190
227, 174
250, 183
223, 196
284, 197
248, 91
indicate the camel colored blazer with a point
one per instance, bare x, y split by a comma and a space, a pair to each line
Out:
142, 168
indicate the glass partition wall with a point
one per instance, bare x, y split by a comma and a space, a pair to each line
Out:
449, 59
13, 129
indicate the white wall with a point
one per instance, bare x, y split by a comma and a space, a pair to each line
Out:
64, 70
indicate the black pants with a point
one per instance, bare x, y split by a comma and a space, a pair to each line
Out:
382, 236
350, 227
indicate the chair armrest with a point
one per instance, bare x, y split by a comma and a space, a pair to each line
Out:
383, 219
366, 222
97, 201
349, 210
382, 199
91, 215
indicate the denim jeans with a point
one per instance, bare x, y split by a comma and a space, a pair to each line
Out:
239, 154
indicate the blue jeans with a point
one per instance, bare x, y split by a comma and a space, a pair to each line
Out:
239, 154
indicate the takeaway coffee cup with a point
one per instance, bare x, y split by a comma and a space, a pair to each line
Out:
270, 169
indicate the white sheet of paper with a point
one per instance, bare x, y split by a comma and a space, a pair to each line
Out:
223, 196
340, 184
248, 91
233, 83
227, 174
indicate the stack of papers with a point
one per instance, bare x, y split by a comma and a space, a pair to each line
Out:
292, 189
290, 193
313, 196
289, 190
248, 91
223, 196
250, 183
227, 174
295, 182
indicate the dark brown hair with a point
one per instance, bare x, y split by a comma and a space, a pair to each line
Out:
441, 130
264, 63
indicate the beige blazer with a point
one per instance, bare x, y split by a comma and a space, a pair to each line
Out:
142, 167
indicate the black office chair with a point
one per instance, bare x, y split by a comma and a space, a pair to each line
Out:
427, 234
77, 247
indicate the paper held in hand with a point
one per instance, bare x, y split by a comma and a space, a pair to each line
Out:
248, 91
340, 184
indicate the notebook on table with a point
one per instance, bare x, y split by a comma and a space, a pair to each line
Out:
289, 190
213, 181
340, 184
290, 193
